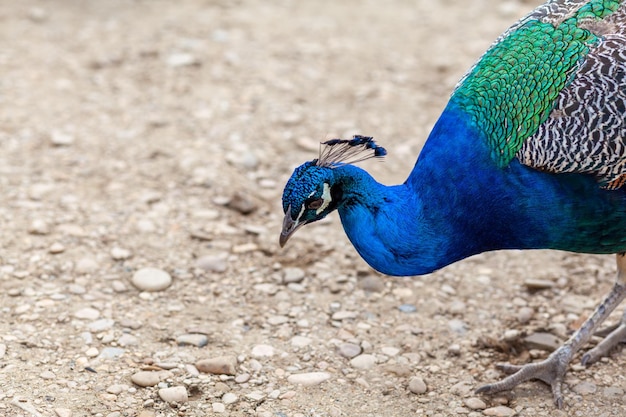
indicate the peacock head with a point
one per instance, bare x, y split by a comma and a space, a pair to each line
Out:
314, 190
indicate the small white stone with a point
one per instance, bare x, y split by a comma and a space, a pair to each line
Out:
173, 394
364, 361
293, 275
499, 411
151, 279
63, 412
181, 59
417, 385
230, 398
86, 266
47, 375
300, 341
58, 138
56, 248
390, 350
39, 227
147, 378
218, 407
213, 263
3, 350
92, 352
100, 325
87, 313
192, 339
127, 340
344, 315
308, 379
474, 403
117, 389
119, 254
262, 351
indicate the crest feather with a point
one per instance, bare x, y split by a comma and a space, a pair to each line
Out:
336, 152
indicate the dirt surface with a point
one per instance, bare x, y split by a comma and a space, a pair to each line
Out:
154, 134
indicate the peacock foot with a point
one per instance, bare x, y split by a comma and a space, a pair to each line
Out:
613, 337
551, 371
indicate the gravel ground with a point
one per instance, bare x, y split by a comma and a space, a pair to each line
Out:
144, 149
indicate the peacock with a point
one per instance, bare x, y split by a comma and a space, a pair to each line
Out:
529, 153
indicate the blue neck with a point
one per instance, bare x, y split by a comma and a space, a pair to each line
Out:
457, 203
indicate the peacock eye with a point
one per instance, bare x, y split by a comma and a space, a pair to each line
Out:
315, 204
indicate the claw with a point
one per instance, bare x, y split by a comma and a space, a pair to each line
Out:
551, 371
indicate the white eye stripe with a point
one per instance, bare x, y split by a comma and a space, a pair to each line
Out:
326, 199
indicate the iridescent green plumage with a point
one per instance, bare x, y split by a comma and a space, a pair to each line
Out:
511, 91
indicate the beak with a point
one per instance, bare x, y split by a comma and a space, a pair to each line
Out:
289, 227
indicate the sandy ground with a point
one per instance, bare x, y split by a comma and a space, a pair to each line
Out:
159, 134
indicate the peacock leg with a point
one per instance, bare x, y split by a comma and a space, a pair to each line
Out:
552, 370
616, 336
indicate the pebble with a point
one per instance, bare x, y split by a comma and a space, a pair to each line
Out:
349, 350
230, 398
192, 339
390, 350
47, 375
127, 340
543, 341
63, 412
120, 254
417, 385
255, 396
58, 138
474, 403
242, 378
454, 349
300, 341
111, 352
3, 350
100, 325
612, 392
525, 314
462, 388
151, 279
221, 365
87, 313
173, 394
344, 315
56, 248
371, 283
457, 326
182, 59
263, 351
92, 352
39, 227
277, 320
291, 275
86, 266
308, 379
364, 361
146, 378
532, 284
118, 286
117, 389
218, 407
212, 263
499, 411
584, 388
242, 204
407, 308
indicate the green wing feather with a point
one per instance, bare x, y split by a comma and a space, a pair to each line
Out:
512, 89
